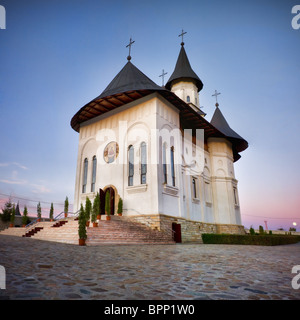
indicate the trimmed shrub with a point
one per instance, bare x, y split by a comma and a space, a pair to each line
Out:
81, 224
66, 205
88, 208
261, 230
262, 240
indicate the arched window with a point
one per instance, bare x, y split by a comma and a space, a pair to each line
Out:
172, 166
188, 99
85, 171
130, 165
164, 159
143, 162
94, 174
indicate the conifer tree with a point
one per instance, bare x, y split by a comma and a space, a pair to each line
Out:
39, 210
88, 208
7, 211
51, 211
25, 218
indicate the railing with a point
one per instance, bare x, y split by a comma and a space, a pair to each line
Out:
32, 223
58, 217
68, 213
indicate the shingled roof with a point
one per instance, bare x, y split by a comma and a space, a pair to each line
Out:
129, 85
183, 70
128, 79
220, 123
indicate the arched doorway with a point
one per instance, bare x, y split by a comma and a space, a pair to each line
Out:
112, 197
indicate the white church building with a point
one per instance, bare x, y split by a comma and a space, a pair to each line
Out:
152, 146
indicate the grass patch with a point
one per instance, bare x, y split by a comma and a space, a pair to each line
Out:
260, 240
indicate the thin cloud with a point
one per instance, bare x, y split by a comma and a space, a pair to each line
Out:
4, 164
40, 189
13, 181
19, 165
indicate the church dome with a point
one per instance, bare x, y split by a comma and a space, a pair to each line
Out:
128, 85
183, 71
219, 122
128, 79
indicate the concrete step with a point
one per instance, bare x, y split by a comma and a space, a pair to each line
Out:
118, 230
124, 231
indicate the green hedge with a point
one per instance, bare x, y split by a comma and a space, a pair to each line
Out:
262, 240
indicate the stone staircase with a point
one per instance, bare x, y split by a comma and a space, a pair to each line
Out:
118, 230
123, 231
65, 231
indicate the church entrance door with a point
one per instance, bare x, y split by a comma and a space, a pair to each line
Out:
102, 202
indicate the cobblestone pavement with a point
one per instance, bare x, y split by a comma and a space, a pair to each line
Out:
46, 270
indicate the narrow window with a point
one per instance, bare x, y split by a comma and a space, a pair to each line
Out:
194, 188
172, 167
165, 163
85, 170
143, 162
195, 101
130, 165
235, 196
94, 174
188, 99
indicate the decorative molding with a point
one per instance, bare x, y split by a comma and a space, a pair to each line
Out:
196, 200
136, 189
170, 190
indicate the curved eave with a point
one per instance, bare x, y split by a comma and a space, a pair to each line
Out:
198, 82
99, 106
190, 119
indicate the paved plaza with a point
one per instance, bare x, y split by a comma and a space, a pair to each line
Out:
38, 269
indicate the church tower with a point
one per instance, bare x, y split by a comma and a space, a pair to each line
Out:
224, 151
184, 82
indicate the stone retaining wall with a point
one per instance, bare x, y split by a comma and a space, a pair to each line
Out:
190, 230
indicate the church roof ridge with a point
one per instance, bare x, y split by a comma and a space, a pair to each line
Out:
183, 69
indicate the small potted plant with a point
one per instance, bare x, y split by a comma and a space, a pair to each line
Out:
66, 207
96, 210
82, 226
39, 212
51, 212
88, 208
25, 218
12, 217
107, 205
120, 207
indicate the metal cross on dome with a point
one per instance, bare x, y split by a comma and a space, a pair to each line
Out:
129, 45
216, 95
181, 35
163, 76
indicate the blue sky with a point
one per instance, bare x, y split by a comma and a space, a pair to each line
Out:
55, 56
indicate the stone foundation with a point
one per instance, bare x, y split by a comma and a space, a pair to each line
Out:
191, 231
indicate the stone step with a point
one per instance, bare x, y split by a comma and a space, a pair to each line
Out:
18, 232
123, 231
112, 241
115, 231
